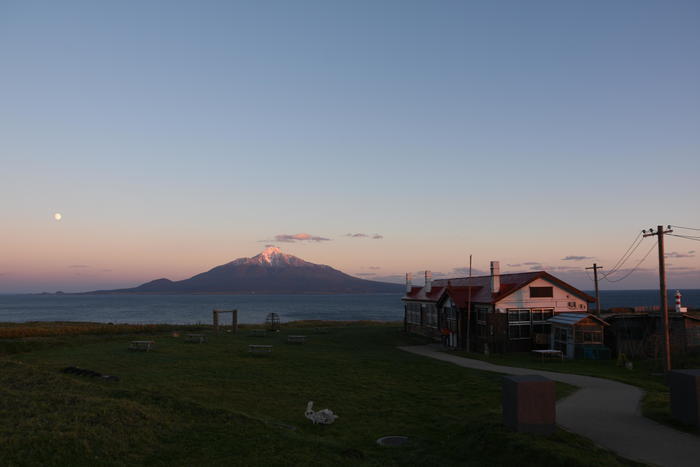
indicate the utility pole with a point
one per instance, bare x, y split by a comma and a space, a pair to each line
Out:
663, 293
469, 304
597, 294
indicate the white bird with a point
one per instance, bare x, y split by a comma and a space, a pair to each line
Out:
325, 416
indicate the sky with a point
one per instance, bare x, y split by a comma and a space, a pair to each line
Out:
177, 136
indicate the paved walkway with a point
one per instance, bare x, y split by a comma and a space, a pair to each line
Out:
602, 410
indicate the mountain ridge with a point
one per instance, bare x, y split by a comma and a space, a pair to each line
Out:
269, 272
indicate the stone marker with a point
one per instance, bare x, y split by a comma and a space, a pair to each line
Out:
685, 395
529, 404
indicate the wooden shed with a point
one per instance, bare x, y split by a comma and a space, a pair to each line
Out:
639, 334
579, 335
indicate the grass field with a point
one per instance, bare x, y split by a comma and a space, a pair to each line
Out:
215, 404
644, 374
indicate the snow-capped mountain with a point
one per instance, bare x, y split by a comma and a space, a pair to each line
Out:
273, 257
268, 272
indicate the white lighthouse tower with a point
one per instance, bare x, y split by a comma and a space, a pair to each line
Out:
679, 308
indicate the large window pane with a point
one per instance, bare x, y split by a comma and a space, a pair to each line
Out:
519, 331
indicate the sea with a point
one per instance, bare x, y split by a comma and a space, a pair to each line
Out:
252, 309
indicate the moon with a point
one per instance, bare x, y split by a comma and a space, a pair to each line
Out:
58, 216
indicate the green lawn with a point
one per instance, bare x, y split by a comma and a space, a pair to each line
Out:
215, 404
644, 374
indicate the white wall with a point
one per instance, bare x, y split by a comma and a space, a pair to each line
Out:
521, 299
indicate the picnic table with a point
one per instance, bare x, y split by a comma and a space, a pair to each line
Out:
198, 338
296, 339
141, 345
550, 353
255, 348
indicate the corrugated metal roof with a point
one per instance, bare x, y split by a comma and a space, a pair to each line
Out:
419, 294
571, 319
481, 288
460, 295
568, 318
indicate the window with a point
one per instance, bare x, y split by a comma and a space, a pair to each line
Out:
589, 337
561, 334
481, 314
518, 323
413, 313
430, 315
518, 316
451, 315
539, 320
519, 331
541, 292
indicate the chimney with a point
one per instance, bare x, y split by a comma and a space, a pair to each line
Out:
428, 281
409, 285
495, 277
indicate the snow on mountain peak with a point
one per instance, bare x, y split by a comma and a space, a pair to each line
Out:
273, 257
270, 252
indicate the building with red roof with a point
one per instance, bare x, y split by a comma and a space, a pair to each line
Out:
498, 312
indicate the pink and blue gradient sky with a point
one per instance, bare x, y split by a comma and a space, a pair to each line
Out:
176, 136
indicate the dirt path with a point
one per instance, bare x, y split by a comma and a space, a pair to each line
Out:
602, 410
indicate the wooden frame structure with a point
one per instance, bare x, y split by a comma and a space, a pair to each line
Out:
234, 319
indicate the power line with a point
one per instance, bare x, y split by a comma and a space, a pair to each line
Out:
635, 267
623, 261
686, 228
687, 237
630, 251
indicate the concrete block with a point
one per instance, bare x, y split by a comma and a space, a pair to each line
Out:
529, 404
685, 395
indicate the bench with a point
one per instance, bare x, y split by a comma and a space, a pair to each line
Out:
141, 345
253, 348
296, 339
258, 332
198, 338
550, 353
